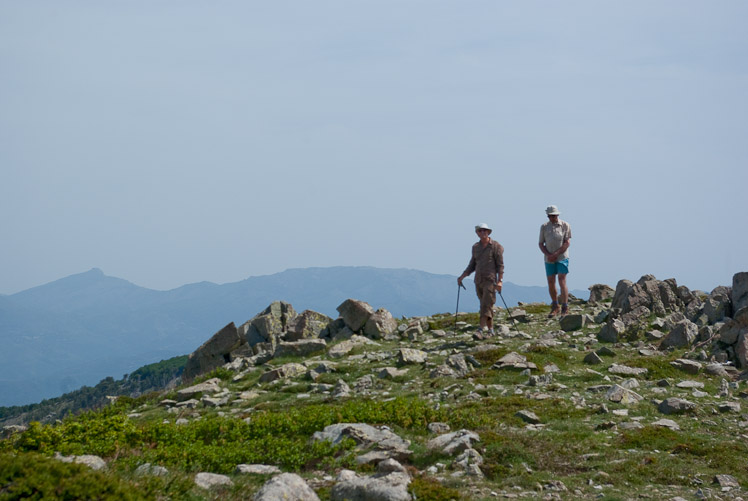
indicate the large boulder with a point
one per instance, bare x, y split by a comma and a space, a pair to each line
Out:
308, 325
214, 353
381, 323
648, 295
611, 331
300, 348
288, 487
682, 336
269, 325
355, 313
739, 291
600, 292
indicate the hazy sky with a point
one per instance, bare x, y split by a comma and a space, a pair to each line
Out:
172, 142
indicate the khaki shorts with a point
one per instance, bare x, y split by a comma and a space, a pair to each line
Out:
487, 296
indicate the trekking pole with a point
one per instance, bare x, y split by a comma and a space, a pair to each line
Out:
458, 305
509, 313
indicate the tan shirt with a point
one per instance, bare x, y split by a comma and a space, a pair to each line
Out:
486, 262
554, 236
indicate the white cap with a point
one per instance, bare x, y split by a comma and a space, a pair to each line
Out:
552, 210
483, 226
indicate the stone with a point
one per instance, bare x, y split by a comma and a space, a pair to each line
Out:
689, 366
300, 348
209, 480
411, 356
623, 370
514, 360
610, 332
729, 407
257, 469
308, 325
355, 313
214, 353
365, 436
285, 371
454, 442
592, 358
93, 462
381, 323
739, 295
600, 293
623, 395
571, 323
438, 428
380, 487
391, 372
666, 423
269, 325
528, 416
210, 386
286, 487
674, 405
683, 335
726, 482
149, 469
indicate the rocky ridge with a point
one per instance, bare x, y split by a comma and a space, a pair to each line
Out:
613, 343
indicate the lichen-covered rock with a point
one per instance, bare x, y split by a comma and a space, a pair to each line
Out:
286, 487
683, 335
308, 325
355, 313
381, 323
214, 353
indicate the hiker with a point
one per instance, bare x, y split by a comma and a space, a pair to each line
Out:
555, 238
487, 262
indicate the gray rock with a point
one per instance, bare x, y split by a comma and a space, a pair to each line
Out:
729, 407
528, 416
675, 405
726, 482
454, 442
623, 395
381, 487
365, 436
592, 358
689, 366
438, 428
269, 325
209, 480
683, 335
301, 348
210, 386
257, 469
739, 295
410, 356
623, 370
286, 487
514, 360
149, 469
381, 323
214, 353
308, 325
611, 331
284, 371
391, 372
600, 292
666, 423
93, 462
355, 313
572, 322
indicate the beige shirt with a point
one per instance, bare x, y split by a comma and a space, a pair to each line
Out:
554, 236
486, 262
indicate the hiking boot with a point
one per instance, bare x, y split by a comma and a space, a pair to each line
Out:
478, 335
565, 309
554, 310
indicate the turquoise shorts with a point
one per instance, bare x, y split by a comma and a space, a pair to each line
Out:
557, 268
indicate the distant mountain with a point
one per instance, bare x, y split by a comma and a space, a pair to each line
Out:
83, 328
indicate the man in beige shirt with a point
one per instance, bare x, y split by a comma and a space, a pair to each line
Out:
487, 261
555, 238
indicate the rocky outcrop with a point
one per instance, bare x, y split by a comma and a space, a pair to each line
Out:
214, 353
288, 487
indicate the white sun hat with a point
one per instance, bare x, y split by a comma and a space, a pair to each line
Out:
483, 226
552, 210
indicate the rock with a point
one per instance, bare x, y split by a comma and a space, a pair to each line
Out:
343, 348
623, 370
611, 331
269, 325
689, 366
381, 323
600, 292
365, 436
308, 325
729, 407
355, 313
675, 405
716, 369
301, 348
741, 349
514, 360
683, 335
149, 469
528, 416
93, 462
210, 480
391, 372
286, 487
214, 353
438, 428
572, 322
285, 371
410, 356
592, 358
391, 486
257, 469
667, 423
623, 395
739, 295
210, 386
454, 442
341, 389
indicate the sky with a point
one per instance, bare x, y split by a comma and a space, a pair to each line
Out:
175, 142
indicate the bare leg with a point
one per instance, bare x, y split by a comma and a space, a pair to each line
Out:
564, 289
552, 286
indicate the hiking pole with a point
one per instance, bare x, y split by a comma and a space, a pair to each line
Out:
509, 313
458, 305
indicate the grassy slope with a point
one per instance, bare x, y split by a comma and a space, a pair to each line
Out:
581, 450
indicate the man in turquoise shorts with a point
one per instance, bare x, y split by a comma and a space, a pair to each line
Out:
555, 238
